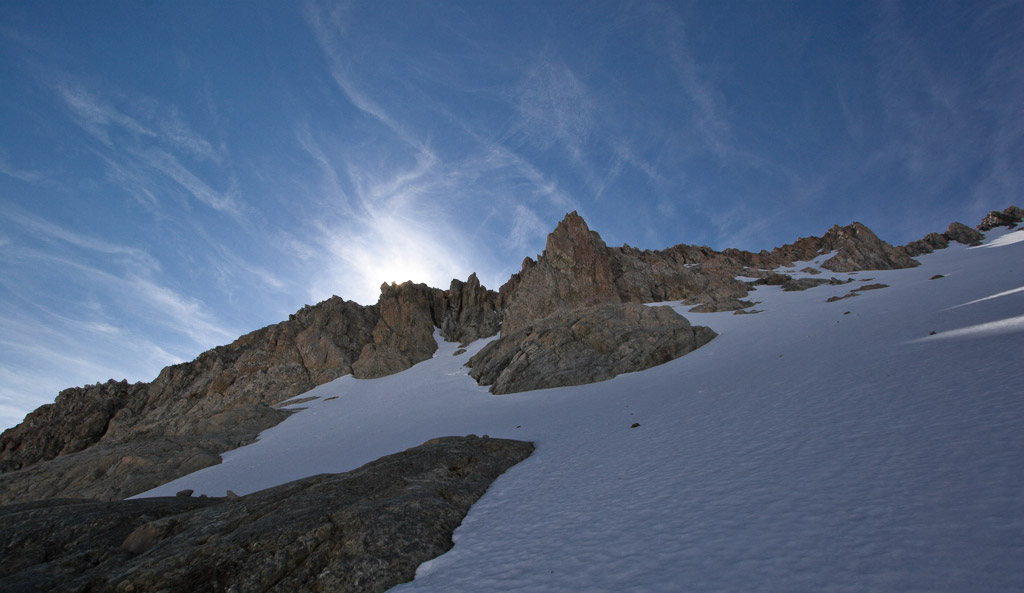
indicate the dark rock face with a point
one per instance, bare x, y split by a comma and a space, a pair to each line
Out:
364, 530
928, 244
1010, 217
585, 345
112, 471
470, 312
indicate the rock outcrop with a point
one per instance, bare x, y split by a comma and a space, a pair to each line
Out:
957, 231
75, 421
404, 335
857, 248
364, 530
574, 271
1010, 217
470, 312
585, 345
182, 421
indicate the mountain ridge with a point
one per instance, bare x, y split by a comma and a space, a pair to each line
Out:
116, 439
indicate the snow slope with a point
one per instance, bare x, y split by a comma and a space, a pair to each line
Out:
812, 447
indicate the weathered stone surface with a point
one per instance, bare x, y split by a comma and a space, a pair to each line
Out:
1010, 217
697, 275
404, 335
585, 345
220, 400
574, 271
193, 411
364, 530
957, 231
111, 471
961, 233
76, 420
860, 249
928, 244
470, 312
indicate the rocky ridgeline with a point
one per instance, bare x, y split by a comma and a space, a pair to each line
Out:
112, 440
364, 530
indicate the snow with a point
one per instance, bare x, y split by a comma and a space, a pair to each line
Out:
811, 447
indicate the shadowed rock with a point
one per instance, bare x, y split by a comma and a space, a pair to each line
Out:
585, 345
364, 530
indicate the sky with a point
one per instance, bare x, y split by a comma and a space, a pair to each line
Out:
173, 175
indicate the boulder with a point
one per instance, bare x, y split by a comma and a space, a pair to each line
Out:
364, 530
585, 345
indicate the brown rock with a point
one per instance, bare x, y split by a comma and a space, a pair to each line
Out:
75, 421
574, 271
930, 243
404, 335
860, 249
964, 234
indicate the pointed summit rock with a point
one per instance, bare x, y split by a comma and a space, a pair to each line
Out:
860, 249
574, 271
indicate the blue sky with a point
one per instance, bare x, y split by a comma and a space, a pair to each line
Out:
173, 175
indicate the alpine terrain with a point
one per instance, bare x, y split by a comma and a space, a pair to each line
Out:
836, 414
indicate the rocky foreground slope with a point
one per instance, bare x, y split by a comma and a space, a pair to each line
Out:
109, 441
361, 531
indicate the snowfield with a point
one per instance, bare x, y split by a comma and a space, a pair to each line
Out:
874, 443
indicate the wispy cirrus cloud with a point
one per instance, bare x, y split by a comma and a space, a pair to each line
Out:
170, 166
40, 228
28, 176
97, 116
139, 148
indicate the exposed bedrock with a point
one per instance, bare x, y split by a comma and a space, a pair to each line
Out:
585, 345
364, 530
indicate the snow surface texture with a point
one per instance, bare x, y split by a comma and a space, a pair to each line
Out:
811, 447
